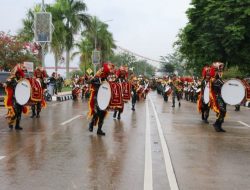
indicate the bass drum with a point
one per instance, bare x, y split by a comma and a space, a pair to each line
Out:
233, 92
23, 91
206, 94
168, 90
104, 95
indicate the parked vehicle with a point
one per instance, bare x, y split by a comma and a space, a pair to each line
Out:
3, 77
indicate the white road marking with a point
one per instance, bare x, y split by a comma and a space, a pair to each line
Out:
72, 119
168, 163
2, 157
148, 178
244, 124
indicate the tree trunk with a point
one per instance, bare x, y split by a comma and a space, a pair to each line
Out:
67, 63
56, 62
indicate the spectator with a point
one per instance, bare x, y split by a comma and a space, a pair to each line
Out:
52, 84
59, 83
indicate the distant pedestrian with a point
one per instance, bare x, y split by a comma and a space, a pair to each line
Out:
59, 83
52, 84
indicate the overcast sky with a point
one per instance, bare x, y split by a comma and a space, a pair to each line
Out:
146, 27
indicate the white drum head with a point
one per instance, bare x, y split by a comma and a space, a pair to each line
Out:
22, 92
206, 94
198, 90
233, 92
103, 95
167, 88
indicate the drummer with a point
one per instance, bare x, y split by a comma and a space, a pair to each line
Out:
204, 108
40, 74
97, 115
14, 109
122, 75
216, 101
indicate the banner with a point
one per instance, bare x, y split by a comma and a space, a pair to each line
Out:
43, 27
116, 95
126, 91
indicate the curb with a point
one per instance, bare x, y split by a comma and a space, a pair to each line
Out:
64, 98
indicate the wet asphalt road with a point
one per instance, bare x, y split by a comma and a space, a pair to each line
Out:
56, 151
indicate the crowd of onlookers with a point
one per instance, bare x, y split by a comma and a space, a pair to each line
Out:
55, 83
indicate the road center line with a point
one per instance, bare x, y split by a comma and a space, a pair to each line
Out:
148, 178
72, 119
2, 157
244, 124
168, 163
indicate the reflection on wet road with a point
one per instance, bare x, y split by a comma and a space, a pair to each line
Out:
57, 151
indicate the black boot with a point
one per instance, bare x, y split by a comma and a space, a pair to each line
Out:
33, 114
11, 127
17, 127
119, 116
202, 116
91, 126
133, 107
99, 130
38, 115
216, 126
220, 127
179, 104
33, 111
205, 119
114, 115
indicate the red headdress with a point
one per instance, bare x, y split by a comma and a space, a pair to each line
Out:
122, 71
106, 69
205, 71
216, 67
18, 70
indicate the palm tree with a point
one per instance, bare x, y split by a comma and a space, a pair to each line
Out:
85, 48
27, 33
100, 36
74, 18
58, 36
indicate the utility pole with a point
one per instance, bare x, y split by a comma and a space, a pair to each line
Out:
43, 43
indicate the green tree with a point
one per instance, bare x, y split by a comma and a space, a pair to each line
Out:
138, 67
101, 38
74, 18
59, 34
13, 51
85, 48
216, 31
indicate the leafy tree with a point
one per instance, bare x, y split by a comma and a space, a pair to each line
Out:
138, 67
74, 18
13, 51
85, 48
100, 37
216, 31
59, 34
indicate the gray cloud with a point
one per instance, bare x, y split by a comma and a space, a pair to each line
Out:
146, 27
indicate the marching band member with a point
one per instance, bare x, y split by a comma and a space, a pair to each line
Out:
40, 74
122, 75
14, 109
216, 101
134, 87
175, 90
204, 108
97, 115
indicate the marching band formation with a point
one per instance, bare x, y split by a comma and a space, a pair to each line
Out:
111, 88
